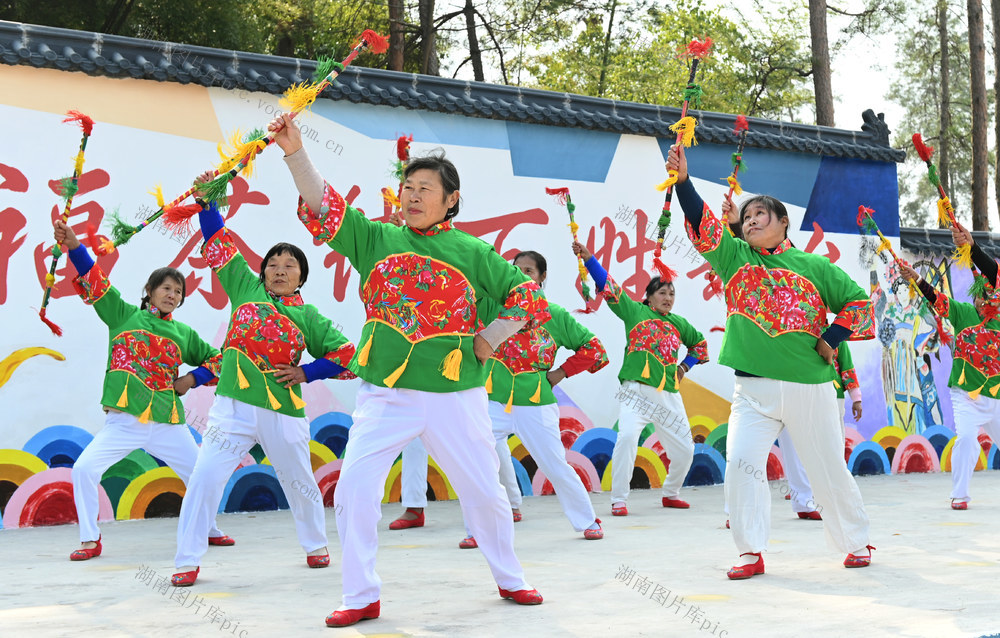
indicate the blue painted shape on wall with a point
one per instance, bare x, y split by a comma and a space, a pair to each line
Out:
561, 153
842, 185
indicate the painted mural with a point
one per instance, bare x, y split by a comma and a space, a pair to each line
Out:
149, 133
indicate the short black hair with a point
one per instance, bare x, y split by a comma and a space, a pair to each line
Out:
284, 248
436, 161
539, 260
157, 277
770, 204
655, 284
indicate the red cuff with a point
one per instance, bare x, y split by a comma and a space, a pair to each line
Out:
325, 223
591, 357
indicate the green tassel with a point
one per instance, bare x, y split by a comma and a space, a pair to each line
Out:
664, 221
67, 188
933, 176
870, 227
56, 253
397, 170
979, 288
693, 94
570, 206
324, 67
585, 289
215, 190
255, 135
121, 231
737, 162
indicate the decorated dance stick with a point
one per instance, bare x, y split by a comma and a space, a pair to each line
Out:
398, 169
946, 213
562, 196
695, 51
246, 148
68, 188
741, 128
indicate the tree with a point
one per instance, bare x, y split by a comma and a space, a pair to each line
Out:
977, 71
822, 85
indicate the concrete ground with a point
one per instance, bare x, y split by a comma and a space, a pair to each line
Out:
657, 572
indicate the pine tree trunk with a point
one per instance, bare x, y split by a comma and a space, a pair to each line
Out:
944, 139
429, 62
475, 54
395, 35
996, 89
821, 62
606, 52
977, 70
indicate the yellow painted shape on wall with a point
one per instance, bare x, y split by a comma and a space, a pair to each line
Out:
165, 107
16, 358
700, 401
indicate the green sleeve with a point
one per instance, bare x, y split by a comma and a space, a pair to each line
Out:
844, 360
343, 228
322, 339
567, 331
725, 253
223, 257
95, 290
198, 352
690, 336
852, 305
620, 303
501, 281
961, 314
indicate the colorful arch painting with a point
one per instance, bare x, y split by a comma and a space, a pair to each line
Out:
584, 469
938, 435
890, 437
523, 479
327, 477
596, 444
915, 454
58, 445
994, 459
869, 457
118, 477
46, 498
652, 442
16, 466
331, 429
440, 487
717, 438
254, 488
647, 461
701, 427
775, 468
319, 455
154, 493
570, 428
981, 463
708, 467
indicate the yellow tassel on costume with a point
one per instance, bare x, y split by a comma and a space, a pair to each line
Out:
645, 370
945, 211
240, 378
685, 127
975, 393
363, 355
78, 163
537, 396
299, 97
510, 399
489, 381
963, 256
174, 416
994, 389
271, 399
663, 380
451, 367
123, 399
671, 180
735, 185
148, 412
297, 402
961, 378
50, 279
884, 245
836, 384
158, 193
391, 380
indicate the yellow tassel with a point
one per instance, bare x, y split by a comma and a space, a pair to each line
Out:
885, 245
50, 279
78, 163
994, 389
123, 399
685, 127
537, 396
963, 256
735, 185
235, 150
914, 291
961, 378
663, 380
174, 416
451, 367
574, 227
271, 399
489, 380
975, 393
391, 380
158, 193
836, 384
671, 180
583, 269
148, 412
363, 355
389, 197
645, 370
945, 211
510, 399
299, 97
240, 378
296, 401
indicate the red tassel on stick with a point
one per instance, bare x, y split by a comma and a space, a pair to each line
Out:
375, 42
179, 216
698, 49
666, 273
741, 124
56, 330
925, 152
403, 147
85, 122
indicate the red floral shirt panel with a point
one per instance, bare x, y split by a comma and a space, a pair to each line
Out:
325, 223
526, 302
980, 347
779, 301
342, 356
220, 249
709, 234
658, 337
92, 286
265, 335
849, 379
420, 296
528, 350
152, 359
589, 357
942, 304
858, 317
699, 351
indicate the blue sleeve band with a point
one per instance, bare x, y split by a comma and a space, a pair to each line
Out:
202, 375
691, 203
210, 219
321, 369
836, 335
81, 259
691, 361
597, 271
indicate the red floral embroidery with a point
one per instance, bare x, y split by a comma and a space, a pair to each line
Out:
526, 301
699, 351
777, 300
265, 335
859, 318
92, 286
942, 305
437, 229
398, 292
342, 356
849, 379
709, 234
980, 347
612, 291
785, 245
325, 224
657, 337
154, 360
529, 350
218, 250
594, 350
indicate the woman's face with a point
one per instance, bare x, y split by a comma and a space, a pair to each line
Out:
662, 301
423, 199
762, 228
167, 296
282, 275
530, 268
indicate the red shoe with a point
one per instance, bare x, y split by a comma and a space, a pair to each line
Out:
742, 572
468, 543
404, 523
318, 561
351, 616
185, 579
594, 534
810, 516
859, 561
955, 505
675, 503
619, 510
788, 497
221, 541
727, 523
87, 554
522, 596
517, 516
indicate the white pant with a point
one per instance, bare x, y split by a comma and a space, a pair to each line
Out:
970, 415
798, 483
122, 433
761, 409
538, 428
233, 428
413, 478
455, 429
665, 410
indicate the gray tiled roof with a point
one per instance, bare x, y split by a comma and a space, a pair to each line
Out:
116, 56
938, 241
